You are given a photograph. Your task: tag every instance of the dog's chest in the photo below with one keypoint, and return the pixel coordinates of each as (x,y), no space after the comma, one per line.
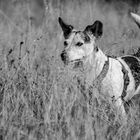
(113,83)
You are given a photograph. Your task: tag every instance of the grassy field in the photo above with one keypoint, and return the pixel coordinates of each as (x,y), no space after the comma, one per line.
(40,99)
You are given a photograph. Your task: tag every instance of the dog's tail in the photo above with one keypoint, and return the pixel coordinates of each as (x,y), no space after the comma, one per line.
(136,18)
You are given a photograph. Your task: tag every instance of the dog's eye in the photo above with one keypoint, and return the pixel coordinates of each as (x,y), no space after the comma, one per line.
(79,44)
(65,43)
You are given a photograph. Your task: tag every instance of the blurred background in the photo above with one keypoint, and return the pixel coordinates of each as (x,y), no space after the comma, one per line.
(119,29)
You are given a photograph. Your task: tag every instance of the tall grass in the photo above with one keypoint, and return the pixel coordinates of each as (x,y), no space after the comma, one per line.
(40,99)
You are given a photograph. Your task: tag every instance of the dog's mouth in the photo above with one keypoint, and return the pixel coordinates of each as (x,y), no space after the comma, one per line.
(78,63)
(74,64)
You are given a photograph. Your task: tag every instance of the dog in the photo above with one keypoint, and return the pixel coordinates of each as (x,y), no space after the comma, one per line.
(118,77)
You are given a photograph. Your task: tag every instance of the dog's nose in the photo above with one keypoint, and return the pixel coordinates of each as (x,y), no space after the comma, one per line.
(64,56)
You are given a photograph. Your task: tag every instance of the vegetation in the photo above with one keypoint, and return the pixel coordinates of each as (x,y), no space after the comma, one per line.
(40,99)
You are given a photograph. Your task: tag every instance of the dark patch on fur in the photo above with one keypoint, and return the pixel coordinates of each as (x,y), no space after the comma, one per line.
(137,54)
(96,29)
(134,65)
(126,81)
(67,29)
(96,49)
(86,38)
(65,43)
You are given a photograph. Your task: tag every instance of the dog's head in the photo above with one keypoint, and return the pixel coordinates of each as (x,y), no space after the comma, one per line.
(79,45)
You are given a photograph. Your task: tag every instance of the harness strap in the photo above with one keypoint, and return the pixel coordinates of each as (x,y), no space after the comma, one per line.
(102,75)
(97,82)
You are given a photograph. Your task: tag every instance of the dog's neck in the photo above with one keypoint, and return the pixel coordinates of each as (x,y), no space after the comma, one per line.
(94,65)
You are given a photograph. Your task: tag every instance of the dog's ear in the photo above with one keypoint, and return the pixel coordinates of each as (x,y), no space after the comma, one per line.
(67,29)
(95,29)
